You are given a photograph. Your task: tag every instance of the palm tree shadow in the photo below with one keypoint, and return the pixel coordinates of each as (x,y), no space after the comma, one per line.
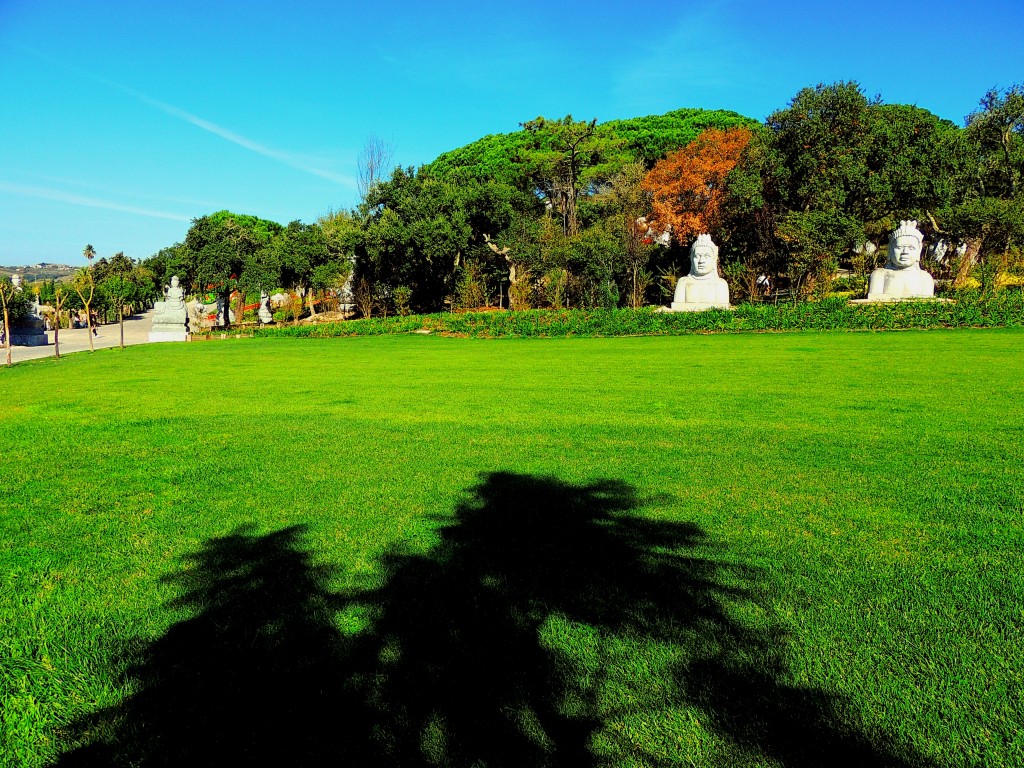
(248,678)
(501,645)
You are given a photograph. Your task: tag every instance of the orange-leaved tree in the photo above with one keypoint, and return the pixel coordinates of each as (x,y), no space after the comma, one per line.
(688,186)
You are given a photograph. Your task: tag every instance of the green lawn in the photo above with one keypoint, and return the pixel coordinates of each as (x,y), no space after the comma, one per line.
(785,550)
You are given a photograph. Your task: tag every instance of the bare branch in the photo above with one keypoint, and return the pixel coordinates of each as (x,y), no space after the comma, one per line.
(373,162)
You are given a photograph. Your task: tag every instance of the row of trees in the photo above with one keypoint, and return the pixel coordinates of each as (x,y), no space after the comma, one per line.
(106,289)
(836,169)
(571,212)
(567,212)
(227,254)
(543,216)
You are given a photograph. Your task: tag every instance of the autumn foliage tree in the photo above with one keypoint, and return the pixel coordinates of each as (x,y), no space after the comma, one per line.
(687,187)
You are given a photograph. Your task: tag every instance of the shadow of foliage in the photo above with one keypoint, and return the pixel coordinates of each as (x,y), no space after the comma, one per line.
(550,625)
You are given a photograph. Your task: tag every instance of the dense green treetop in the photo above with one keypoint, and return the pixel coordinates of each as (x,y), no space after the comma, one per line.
(646,139)
(419,229)
(217,247)
(650,138)
(997,128)
(912,164)
(987,205)
(833,168)
(306,257)
(260,230)
(492,157)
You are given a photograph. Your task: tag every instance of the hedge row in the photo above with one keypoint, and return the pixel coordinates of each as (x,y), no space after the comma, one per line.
(967,311)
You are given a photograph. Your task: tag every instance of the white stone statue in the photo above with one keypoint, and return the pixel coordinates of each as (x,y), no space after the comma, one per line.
(266,315)
(702,288)
(30,331)
(938,250)
(902,276)
(867,249)
(170,322)
(174,295)
(199,312)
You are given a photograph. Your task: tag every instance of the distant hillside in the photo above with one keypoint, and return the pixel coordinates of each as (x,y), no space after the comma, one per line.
(648,139)
(43,271)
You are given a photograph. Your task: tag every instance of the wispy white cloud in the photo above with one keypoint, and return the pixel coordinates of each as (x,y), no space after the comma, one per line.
(91,202)
(291,159)
(133,194)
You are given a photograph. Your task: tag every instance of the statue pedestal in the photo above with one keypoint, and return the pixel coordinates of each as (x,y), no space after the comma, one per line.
(893,299)
(170,323)
(175,335)
(29,337)
(685,306)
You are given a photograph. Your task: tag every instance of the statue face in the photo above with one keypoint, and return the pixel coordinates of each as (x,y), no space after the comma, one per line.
(174,282)
(703,262)
(905,252)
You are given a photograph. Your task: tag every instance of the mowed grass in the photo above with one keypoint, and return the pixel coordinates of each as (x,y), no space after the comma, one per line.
(785,550)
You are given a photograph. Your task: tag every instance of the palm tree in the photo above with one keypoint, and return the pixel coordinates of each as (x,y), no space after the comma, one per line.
(84,282)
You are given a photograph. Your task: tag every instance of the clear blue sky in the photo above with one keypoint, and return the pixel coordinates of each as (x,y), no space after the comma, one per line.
(121,122)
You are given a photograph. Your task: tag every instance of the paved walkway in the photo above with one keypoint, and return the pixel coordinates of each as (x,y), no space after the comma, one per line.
(136,331)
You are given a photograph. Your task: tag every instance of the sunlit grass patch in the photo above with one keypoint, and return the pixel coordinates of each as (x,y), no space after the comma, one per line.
(729,550)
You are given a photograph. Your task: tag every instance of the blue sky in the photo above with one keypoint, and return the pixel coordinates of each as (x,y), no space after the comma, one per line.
(122,122)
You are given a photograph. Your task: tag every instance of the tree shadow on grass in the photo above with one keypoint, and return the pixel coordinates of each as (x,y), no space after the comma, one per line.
(550,625)
(248,679)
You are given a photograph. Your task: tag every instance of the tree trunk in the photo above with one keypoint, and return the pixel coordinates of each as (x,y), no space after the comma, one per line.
(226,304)
(56,334)
(7,333)
(88,325)
(967,261)
(121,318)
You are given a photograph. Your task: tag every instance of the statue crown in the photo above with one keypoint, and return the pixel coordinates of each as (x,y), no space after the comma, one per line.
(704,241)
(907,229)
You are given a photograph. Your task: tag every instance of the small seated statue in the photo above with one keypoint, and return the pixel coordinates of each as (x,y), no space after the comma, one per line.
(172,310)
(265,313)
(170,320)
(902,276)
(702,288)
(175,296)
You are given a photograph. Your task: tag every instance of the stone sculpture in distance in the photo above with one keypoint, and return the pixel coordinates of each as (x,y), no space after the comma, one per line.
(902,276)
(170,323)
(703,288)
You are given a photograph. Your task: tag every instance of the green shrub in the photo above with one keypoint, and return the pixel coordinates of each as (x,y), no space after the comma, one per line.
(854,284)
(471,291)
(968,310)
(402,295)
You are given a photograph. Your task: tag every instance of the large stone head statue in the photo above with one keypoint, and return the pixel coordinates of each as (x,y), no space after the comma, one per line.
(703,257)
(905,246)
